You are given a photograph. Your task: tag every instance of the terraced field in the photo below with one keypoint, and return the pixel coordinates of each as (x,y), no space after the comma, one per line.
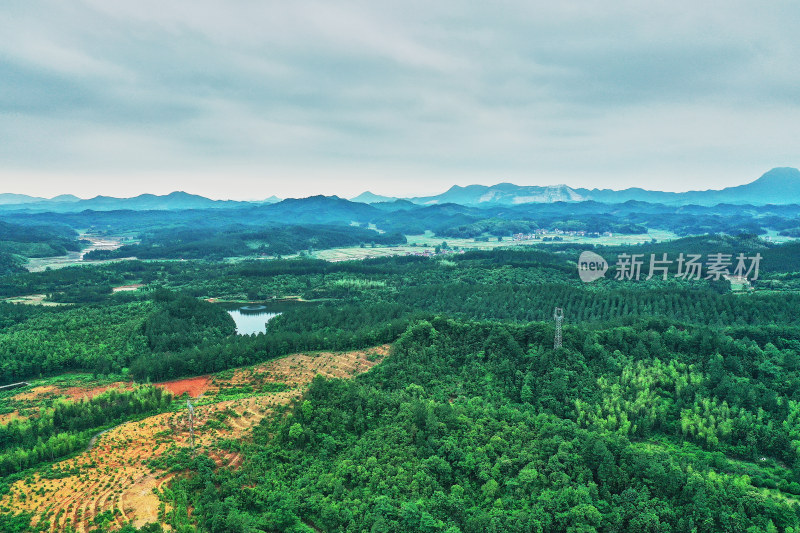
(113,482)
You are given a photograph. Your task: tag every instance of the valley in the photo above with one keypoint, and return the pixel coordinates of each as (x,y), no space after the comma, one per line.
(95,242)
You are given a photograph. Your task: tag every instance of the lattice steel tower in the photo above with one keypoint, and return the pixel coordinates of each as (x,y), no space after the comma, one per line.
(190,408)
(558,315)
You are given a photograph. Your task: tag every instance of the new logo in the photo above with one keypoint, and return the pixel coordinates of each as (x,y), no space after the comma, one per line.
(591,266)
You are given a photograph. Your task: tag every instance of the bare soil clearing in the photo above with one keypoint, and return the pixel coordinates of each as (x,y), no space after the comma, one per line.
(193,386)
(77,393)
(32,299)
(127,288)
(114,475)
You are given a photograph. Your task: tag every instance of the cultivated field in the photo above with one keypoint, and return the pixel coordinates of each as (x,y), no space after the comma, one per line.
(114,481)
(427,243)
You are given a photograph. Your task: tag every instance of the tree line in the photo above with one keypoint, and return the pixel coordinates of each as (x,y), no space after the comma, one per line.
(67,427)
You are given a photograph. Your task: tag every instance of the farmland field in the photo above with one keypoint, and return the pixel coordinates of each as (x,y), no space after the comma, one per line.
(428,242)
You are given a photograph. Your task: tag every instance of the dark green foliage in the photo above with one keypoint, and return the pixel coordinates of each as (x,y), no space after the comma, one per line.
(212,243)
(34,241)
(673,405)
(437,438)
(96,338)
(10,264)
(181,321)
(64,283)
(310,328)
(375,300)
(15,523)
(105,338)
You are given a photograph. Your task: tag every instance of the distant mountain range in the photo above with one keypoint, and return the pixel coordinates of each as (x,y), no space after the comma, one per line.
(68,203)
(779,186)
(17,199)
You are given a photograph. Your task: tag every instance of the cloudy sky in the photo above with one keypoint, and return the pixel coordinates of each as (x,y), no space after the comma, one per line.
(246,99)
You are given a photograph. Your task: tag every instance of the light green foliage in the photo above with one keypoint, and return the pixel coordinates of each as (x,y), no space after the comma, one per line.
(640,398)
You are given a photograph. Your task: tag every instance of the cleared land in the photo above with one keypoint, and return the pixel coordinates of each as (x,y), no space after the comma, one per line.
(426,243)
(32,299)
(114,483)
(44,392)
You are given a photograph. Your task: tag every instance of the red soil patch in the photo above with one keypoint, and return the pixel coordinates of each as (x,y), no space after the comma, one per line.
(77,393)
(194,386)
(36,393)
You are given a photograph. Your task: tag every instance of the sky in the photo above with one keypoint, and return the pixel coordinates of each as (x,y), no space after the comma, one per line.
(249,99)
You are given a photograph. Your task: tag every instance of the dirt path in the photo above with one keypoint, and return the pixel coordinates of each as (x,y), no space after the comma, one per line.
(93,440)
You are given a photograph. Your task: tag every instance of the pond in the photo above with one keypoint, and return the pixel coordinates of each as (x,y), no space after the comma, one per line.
(253,318)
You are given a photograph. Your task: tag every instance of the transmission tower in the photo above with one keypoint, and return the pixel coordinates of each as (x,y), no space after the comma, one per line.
(191,421)
(558,315)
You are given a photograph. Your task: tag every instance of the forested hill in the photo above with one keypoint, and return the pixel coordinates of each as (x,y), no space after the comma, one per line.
(479,427)
(10,264)
(235,241)
(20,241)
(41,240)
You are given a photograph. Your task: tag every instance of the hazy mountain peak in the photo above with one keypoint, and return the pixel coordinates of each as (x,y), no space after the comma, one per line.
(779,176)
(12,198)
(368,197)
(65,198)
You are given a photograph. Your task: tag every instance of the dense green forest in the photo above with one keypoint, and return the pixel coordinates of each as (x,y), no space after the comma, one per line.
(105,338)
(9,263)
(160,334)
(37,240)
(483,427)
(674,405)
(213,243)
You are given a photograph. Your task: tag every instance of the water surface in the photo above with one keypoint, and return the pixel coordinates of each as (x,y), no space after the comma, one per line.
(253,318)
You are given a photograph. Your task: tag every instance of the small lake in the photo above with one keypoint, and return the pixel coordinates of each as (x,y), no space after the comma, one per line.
(253,318)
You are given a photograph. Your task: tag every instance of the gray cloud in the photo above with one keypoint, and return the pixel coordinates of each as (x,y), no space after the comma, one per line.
(249,99)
